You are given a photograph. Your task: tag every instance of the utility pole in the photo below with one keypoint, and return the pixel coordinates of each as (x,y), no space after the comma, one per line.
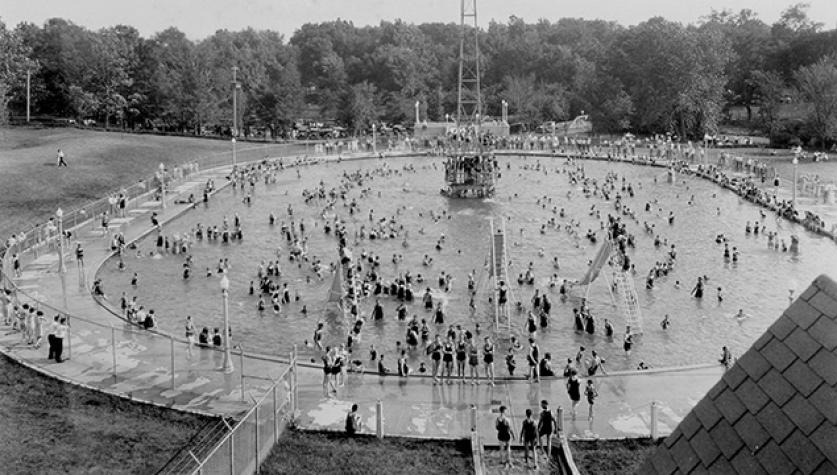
(235,112)
(235,104)
(28,81)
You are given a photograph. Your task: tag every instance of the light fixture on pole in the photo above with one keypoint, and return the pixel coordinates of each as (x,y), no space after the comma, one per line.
(28,95)
(374,144)
(59,213)
(161,174)
(234,130)
(417,112)
(795,170)
(225,289)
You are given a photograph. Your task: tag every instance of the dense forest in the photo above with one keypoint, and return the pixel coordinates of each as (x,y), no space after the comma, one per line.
(656,76)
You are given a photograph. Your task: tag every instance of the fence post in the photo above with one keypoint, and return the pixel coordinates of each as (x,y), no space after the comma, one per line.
(241,363)
(113,348)
(379,419)
(291,396)
(69,341)
(275,417)
(232,453)
(473,417)
(560,420)
(653,419)
(171,341)
(256,433)
(295,384)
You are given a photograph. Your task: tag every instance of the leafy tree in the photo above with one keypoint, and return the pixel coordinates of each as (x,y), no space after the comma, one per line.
(15,60)
(817,84)
(769,90)
(359,110)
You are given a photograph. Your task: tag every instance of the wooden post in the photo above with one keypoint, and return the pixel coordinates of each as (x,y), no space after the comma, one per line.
(379,419)
(256,435)
(171,342)
(275,417)
(295,383)
(241,363)
(653,419)
(473,417)
(231,441)
(113,348)
(560,420)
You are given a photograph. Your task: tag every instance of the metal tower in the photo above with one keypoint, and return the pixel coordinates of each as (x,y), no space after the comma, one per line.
(469,103)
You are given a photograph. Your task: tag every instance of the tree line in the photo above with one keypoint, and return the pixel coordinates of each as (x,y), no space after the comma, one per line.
(657,76)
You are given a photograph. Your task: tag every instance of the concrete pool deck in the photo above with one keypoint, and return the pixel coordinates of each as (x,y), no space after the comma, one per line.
(108,355)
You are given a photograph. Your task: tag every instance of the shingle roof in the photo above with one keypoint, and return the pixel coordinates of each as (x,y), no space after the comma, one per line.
(775,409)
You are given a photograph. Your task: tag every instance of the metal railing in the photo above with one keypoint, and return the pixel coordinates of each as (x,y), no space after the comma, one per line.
(249,441)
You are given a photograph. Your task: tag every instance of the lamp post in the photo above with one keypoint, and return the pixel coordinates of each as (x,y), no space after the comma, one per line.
(795,170)
(28,95)
(374,144)
(236,85)
(225,289)
(59,213)
(417,112)
(505,111)
(162,176)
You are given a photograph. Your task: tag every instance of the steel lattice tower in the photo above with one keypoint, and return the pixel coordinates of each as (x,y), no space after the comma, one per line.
(469,103)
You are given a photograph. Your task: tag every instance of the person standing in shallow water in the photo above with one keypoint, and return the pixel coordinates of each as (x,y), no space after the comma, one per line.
(698,290)
(628,342)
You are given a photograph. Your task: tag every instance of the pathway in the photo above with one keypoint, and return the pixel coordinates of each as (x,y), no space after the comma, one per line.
(416,407)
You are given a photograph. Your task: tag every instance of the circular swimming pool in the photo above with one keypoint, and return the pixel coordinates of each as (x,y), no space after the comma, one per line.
(530,194)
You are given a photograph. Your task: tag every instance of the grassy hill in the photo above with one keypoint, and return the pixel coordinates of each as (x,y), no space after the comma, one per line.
(52,427)
(33,187)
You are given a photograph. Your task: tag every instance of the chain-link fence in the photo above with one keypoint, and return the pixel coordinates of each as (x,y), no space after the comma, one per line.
(248,442)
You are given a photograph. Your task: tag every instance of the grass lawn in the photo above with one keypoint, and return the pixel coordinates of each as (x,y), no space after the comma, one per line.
(47,426)
(611,456)
(300,453)
(33,187)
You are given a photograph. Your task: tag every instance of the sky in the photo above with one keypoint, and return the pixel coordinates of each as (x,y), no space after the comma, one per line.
(200,18)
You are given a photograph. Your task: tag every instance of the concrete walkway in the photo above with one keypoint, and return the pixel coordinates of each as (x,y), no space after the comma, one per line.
(107,354)
(417,407)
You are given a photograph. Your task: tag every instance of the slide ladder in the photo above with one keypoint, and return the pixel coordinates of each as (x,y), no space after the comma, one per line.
(500,272)
(629,299)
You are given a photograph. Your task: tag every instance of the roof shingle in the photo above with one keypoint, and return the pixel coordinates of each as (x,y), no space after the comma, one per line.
(775,409)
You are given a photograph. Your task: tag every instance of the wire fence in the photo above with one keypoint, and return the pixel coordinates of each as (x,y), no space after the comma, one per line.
(249,441)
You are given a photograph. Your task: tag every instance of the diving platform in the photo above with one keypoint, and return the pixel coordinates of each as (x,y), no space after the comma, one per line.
(470,175)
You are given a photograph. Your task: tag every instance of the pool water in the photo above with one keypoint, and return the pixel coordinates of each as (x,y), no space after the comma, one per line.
(759,283)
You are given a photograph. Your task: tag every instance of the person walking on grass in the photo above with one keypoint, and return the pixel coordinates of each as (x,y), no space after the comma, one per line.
(529,437)
(504,436)
(60,158)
